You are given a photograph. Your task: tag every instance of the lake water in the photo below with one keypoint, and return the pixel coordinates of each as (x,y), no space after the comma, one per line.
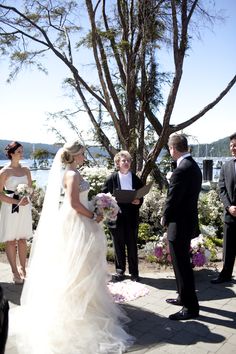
(41,176)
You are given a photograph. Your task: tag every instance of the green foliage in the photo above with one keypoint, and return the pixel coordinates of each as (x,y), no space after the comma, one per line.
(217,241)
(151,258)
(145,234)
(211,211)
(110,254)
(210,245)
(37,204)
(96,178)
(2,247)
(151,209)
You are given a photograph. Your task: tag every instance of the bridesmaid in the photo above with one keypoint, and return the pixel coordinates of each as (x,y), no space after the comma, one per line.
(15,212)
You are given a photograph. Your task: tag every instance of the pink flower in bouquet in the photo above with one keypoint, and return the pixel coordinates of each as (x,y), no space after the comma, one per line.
(106,204)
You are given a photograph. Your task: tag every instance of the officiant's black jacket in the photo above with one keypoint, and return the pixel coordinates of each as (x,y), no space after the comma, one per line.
(125,235)
(113,183)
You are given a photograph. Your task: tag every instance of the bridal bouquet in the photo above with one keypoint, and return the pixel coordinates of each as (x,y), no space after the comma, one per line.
(23,190)
(106,204)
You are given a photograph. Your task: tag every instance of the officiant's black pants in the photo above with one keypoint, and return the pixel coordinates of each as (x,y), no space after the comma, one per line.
(125,236)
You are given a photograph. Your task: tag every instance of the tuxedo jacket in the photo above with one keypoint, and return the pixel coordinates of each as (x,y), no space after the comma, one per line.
(113,183)
(180,213)
(227,188)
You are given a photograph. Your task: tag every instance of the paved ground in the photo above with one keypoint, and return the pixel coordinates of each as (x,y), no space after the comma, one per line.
(213,332)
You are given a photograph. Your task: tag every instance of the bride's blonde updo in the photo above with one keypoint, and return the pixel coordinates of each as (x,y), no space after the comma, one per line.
(69,150)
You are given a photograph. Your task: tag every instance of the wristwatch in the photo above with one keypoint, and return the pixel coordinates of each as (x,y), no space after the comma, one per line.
(94,216)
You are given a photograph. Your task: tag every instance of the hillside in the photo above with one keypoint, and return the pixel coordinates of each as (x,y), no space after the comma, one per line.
(219,148)
(95,151)
(28,148)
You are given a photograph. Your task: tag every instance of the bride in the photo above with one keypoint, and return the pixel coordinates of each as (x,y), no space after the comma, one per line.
(66,307)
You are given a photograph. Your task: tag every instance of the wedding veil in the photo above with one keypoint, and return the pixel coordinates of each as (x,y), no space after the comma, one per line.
(45,236)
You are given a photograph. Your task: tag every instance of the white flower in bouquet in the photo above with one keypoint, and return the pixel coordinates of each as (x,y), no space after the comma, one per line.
(106,204)
(23,190)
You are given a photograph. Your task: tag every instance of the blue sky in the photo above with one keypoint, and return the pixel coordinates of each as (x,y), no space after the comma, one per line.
(211,64)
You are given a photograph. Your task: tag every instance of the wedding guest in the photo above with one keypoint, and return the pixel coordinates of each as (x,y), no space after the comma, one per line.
(74,312)
(180,217)
(227,189)
(125,234)
(15,213)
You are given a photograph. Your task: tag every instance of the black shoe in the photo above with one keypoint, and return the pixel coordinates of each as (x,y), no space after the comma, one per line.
(220,280)
(184,314)
(118,277)
(134,277)
(174,302)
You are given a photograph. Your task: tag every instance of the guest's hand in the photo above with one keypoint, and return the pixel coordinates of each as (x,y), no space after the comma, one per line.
(136,201)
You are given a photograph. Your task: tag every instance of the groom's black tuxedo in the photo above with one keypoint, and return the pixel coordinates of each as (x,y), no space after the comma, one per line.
(126,232)
(181,207)
(180,216)
(227,187)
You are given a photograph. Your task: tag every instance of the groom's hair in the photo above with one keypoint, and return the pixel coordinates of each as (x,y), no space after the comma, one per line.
(233,136)
(178,141)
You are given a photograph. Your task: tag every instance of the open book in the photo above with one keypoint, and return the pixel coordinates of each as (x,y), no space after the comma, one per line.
(127,196)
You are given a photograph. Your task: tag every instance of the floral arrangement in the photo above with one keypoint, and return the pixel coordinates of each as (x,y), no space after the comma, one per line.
(161,250)
(106,204)
(200,254)
(96,177)
(200,251)
(23,190)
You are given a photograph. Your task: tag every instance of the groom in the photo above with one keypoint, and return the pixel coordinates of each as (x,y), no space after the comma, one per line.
(180,217)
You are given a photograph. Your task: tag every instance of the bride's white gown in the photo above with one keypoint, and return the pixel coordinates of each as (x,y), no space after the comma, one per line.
(66,307)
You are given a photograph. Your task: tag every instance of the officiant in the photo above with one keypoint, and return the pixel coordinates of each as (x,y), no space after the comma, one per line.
(125,234)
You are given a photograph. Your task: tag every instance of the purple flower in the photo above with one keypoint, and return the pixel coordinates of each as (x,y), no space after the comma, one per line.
(106,204)
(198,259)
(158,252)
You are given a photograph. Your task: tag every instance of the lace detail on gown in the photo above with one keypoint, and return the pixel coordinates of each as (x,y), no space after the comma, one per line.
(84,186)
(66,305)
